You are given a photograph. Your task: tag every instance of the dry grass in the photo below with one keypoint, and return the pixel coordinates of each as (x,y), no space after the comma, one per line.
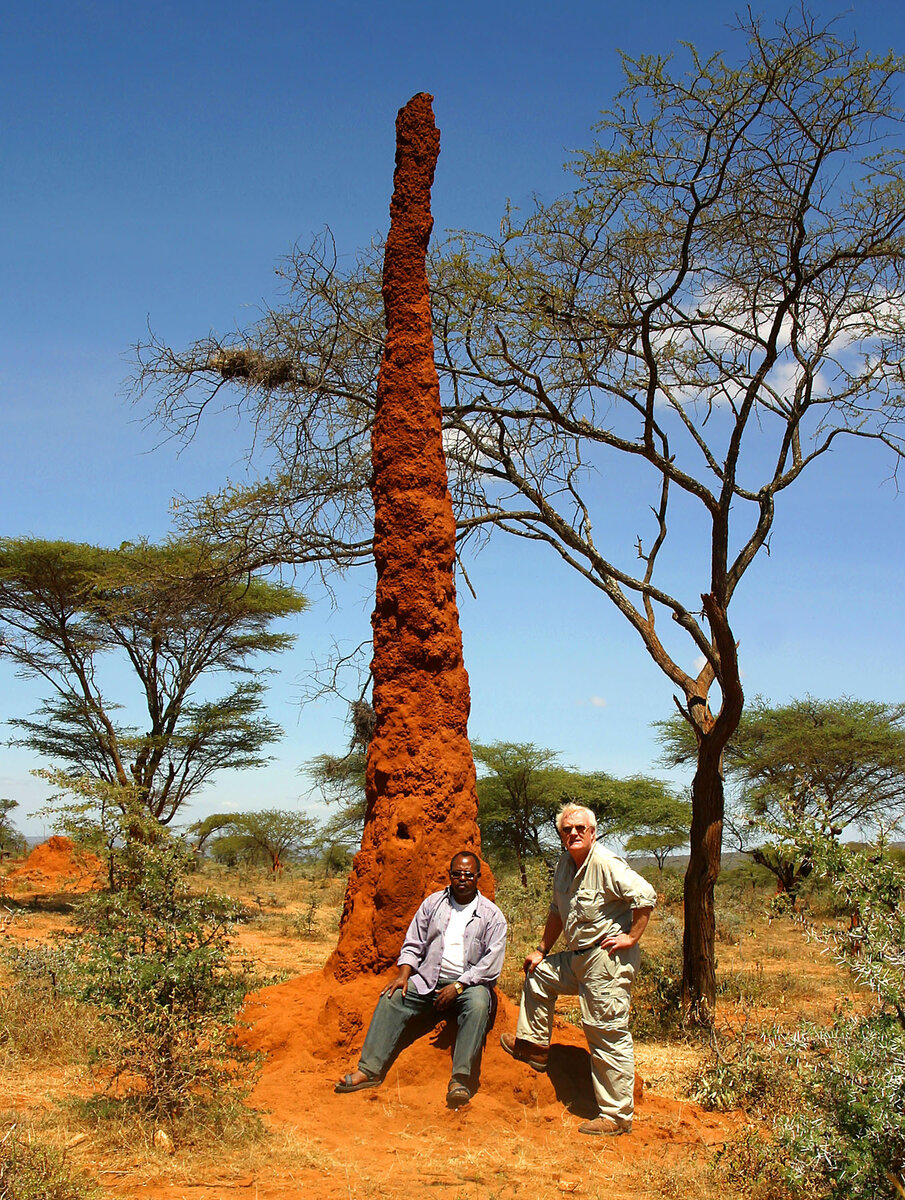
(769,973)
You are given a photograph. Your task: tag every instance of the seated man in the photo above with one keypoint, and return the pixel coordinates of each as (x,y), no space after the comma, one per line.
(451,958)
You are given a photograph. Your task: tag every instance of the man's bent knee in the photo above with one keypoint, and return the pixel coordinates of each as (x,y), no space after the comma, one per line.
(475,1001)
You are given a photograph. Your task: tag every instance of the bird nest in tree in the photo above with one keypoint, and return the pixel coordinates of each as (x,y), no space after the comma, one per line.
(243,362)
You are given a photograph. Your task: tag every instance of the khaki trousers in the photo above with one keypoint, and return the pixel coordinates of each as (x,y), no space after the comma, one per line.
(603,985)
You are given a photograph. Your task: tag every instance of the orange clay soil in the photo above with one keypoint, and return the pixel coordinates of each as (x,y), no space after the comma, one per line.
(57,866)
(420,784)
(518,1134)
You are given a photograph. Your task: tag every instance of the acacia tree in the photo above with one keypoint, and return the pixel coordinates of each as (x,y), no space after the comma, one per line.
(522,787)
(11,840)
(710,309)
(274,832)
(342,782)
(661,828)
(175,613)
(824,763)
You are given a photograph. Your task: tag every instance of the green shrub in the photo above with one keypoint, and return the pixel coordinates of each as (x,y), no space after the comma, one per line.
(846,1139)
(848,1142)
(671,888)
(525,908)
(657,993)
(731,926)
(759,1077)
(755,1166)
(30,1171)
(302,924)
(154,960)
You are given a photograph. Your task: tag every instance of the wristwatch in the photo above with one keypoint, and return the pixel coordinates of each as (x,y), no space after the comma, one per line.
(459,986)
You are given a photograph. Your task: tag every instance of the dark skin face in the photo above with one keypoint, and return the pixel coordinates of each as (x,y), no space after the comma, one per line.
(464,890)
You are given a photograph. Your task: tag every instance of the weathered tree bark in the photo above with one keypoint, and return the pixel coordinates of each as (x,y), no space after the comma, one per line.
(706,840)
(420,782)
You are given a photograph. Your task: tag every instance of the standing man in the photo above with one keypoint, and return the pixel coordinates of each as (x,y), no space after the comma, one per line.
(602,906)
(451,958)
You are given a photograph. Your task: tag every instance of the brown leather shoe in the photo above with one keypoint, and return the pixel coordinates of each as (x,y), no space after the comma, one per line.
(457,1094)
(605,1127)
(527,1052)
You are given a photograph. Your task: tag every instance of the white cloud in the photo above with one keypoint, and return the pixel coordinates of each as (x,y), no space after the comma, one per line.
(598,701)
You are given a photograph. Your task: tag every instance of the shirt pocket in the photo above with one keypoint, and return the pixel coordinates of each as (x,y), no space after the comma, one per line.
(587,907)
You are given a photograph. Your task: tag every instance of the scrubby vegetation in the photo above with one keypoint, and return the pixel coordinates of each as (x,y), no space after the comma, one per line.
(138,970)
(30,1170)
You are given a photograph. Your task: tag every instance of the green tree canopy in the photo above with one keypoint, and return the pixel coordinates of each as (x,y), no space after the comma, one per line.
(276,833)
(833,763)
(662,829)
(521,787)
(11,840)
(174,613)
(341,781)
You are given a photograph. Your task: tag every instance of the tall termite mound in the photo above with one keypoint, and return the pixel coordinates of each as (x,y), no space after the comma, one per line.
(421,796)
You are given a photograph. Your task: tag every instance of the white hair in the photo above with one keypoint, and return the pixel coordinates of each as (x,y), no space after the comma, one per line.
(591,820)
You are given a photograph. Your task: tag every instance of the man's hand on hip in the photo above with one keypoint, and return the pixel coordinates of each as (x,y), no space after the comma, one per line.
(618,941)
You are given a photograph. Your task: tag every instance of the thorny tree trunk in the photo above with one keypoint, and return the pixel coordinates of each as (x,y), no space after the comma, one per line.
(699,938)
(698,966)
(522,869)
(789,875)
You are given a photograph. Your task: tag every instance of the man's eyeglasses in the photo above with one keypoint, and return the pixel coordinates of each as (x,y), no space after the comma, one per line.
(461,875)
(579,829)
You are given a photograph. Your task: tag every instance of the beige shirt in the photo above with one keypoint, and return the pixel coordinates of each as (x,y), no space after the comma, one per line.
(596,899)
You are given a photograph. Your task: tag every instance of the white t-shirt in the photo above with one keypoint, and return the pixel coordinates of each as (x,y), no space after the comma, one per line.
(452,963)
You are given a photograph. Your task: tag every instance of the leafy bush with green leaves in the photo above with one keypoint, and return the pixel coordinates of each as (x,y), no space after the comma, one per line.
(848,1142)
(155,961)
(657,992)
(758,1076)
(670,886)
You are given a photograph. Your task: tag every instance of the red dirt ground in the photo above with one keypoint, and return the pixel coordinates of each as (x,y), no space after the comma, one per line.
(518,1134)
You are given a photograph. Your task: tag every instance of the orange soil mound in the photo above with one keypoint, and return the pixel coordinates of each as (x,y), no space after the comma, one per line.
(58,866)
(311,1029)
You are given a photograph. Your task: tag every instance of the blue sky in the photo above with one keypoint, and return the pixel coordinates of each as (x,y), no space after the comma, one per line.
(160,159)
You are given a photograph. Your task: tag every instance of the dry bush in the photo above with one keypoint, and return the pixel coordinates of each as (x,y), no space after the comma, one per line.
(31,1170)
(39,1021)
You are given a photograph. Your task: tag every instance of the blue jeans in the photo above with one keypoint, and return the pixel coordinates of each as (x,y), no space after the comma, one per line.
(394,1014)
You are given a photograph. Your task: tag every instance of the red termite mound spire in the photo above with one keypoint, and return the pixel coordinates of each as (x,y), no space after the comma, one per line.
(421,796)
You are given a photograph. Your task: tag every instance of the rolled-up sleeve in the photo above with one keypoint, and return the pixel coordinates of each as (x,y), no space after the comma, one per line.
(633,888)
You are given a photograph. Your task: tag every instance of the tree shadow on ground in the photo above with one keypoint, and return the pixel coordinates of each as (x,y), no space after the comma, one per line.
(53,902)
